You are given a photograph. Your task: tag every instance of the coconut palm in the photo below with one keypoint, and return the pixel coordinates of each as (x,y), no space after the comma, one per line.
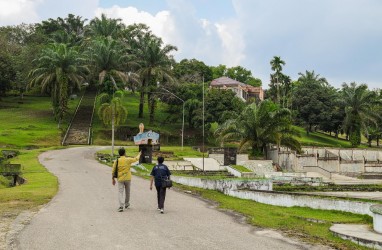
(259,125)
(58,68)
(359,101)
(111,111)
(154,62)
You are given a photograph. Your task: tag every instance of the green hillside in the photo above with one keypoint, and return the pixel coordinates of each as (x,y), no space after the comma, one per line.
(31,123)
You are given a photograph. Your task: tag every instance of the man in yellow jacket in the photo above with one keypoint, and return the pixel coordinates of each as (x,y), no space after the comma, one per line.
(123,164)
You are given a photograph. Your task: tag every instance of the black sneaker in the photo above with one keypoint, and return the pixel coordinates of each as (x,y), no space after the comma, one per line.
(120,209)
(127,206)
(162,211)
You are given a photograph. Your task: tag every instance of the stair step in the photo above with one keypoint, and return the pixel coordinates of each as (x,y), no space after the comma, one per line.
(79,131)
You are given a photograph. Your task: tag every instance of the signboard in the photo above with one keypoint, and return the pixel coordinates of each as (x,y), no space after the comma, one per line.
(147,138)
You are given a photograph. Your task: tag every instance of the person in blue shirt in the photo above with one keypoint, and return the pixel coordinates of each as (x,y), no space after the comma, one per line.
(159,172)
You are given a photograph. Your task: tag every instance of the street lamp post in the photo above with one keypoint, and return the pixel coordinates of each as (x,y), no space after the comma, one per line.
(183,112)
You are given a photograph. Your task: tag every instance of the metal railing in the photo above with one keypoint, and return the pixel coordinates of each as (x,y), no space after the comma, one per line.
(71,121)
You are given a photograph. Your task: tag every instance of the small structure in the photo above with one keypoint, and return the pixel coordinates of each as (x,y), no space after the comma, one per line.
(146,141)
(13,170)
(244,91)
(377,217)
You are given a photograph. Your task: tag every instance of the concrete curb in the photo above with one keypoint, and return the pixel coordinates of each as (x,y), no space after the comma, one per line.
(359,234)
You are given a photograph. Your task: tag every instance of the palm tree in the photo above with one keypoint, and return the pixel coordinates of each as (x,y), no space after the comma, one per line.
(259,125)
(276,66)
(312,78)
(104,27)
(110,59)
(112,112)
(358,101)
(154,66)
(59,67)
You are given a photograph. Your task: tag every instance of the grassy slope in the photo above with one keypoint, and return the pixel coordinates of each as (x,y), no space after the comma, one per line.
(131,102)
(163,126)
(30,123)
(321,140)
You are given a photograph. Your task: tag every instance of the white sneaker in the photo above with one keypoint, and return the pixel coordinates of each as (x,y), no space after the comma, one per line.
(161,211)
(158,209)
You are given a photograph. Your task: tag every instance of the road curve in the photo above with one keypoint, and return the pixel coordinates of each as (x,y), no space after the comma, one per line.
(83,215)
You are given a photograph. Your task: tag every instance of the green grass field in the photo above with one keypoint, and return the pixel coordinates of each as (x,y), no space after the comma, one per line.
(41,186)
(30,123)
(320,140)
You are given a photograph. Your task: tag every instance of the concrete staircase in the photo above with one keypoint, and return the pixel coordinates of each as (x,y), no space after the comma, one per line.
(79,131)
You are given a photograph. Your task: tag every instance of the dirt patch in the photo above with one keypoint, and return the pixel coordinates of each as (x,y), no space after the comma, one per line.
(12,213)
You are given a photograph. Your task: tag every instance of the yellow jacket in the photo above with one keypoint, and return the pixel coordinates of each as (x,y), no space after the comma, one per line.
(124,165)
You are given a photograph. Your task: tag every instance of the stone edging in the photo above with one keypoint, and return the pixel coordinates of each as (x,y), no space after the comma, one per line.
(260,191)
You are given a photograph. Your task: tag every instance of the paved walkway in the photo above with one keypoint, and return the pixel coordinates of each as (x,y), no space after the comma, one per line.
(83,215)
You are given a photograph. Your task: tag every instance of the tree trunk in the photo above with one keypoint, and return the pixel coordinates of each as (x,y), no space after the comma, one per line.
(141,103)
(112,131)
(152,110)
(142,99)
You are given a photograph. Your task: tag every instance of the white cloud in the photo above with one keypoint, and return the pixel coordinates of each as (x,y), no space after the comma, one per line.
(18,11)
(160,23)
(233,44)
(213,43)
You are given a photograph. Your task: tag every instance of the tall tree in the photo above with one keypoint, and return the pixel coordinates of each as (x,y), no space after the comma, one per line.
(258,125)
(154,62)
(358,101)
(192,71)
(59,67)
(109,60)
(69,30)
(312,100)
(105,27)
(112,112)
(276,78)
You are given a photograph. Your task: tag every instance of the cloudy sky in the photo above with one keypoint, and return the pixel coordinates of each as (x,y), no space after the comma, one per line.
(338,39)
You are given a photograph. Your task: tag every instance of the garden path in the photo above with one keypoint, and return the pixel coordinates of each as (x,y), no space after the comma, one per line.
(83,215)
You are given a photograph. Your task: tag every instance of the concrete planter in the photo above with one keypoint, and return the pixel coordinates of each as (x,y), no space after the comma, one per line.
(377,217)
(240,174)
(224,185)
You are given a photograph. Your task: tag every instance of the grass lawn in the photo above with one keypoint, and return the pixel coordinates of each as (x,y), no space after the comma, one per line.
(132,151)
(40,187)
(320,140)
(241,169)
(30,123)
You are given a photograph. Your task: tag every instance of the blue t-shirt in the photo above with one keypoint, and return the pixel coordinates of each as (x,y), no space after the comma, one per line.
(159,172)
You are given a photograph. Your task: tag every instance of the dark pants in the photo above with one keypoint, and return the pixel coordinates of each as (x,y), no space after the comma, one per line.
(161,195)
